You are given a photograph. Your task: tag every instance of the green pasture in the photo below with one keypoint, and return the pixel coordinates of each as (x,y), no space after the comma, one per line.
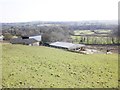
(45,67)
(88,32)
(78,32)
(103,31)
(94,40)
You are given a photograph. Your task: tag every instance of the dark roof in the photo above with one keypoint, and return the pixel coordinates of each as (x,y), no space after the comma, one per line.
(22,41)
(30,41)
(16,41)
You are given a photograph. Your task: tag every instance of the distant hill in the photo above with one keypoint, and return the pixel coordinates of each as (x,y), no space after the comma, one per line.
(65,28)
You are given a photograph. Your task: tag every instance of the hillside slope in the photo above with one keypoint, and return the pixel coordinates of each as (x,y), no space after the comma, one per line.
(44,67)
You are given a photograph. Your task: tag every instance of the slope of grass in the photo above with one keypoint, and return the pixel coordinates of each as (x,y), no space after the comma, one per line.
(44,67)
(0,65)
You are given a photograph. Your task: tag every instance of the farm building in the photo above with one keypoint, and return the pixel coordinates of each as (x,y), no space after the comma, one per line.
(27,40)
(1,37)
(36,37)
(30,42)
(68,46)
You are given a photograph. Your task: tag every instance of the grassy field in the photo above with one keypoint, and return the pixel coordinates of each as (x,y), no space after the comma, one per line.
(78,32)
(100,38)
(94,40)
(44,67)
(0,65)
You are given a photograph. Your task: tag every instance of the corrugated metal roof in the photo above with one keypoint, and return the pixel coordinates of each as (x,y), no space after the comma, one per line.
(30,41)
(66,45)
(16,41)
(23,41)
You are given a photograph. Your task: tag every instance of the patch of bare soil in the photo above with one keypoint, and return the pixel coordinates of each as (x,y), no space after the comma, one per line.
(104,48)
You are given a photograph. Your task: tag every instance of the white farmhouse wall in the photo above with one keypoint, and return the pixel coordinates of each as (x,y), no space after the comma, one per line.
(38,38)
(35,44)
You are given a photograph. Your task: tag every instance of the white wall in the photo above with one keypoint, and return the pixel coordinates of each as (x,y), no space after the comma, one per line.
(38,38)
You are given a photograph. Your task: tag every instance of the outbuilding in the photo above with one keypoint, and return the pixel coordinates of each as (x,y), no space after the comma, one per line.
(30,42)
(1,37)
(68,46)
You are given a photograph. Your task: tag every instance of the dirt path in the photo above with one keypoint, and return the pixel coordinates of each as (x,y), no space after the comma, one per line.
(104,48)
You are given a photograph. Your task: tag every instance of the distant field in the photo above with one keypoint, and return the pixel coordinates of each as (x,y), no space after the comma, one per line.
(44,67)
(94,40)
(97,37)
(78,32)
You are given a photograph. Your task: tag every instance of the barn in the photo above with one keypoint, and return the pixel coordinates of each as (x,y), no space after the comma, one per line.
(68,46)
(30,42)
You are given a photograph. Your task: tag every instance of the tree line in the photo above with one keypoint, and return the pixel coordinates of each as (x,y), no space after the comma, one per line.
(53,31)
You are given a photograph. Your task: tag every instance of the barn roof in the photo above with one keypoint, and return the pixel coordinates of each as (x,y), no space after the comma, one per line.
(16,41)
(67,45)
(23,41)
(30,41)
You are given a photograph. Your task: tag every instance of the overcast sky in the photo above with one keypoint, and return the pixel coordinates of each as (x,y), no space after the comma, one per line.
(57,10)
